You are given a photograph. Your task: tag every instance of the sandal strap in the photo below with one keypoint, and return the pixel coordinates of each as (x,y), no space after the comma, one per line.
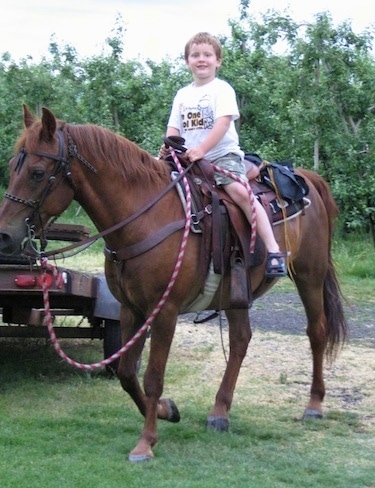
(277,269)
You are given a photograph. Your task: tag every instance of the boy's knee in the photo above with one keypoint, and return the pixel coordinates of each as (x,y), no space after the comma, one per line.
(251,169)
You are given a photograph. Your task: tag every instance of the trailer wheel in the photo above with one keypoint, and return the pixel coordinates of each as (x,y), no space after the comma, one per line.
(111,343)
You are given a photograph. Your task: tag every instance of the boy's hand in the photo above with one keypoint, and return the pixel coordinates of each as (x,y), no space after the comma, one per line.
(194,154)
(163,151)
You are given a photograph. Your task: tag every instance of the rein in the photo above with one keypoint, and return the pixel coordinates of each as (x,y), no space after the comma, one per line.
(124,222)
(62,165)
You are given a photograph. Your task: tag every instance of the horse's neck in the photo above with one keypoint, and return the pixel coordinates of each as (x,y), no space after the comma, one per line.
(132,209)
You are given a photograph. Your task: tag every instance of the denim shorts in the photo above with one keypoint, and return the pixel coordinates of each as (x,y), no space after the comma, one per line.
(233,163)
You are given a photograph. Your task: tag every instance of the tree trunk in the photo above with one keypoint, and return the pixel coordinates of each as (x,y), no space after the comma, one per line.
(316,155)
(372,228)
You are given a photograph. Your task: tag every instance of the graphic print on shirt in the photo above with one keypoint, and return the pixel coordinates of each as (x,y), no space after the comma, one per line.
(199,117)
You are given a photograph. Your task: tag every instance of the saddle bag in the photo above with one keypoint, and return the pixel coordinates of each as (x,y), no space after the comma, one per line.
(281,178)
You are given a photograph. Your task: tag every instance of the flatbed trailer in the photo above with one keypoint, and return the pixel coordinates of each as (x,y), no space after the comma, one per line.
(82,295)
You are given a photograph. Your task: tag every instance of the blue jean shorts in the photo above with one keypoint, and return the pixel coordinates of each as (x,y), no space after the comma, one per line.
(233,163)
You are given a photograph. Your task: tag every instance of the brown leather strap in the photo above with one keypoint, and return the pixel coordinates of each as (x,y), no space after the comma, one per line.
(217,250)
(147,243)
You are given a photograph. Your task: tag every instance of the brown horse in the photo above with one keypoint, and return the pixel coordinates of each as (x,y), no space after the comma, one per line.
(114,181)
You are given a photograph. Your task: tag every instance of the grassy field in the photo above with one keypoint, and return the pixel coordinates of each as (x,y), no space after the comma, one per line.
(60,427)
(63,428)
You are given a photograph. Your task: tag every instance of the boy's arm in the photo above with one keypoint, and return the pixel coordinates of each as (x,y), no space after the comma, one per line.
(219,130)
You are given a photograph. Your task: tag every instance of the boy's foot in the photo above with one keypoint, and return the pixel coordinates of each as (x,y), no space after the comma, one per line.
(276,266)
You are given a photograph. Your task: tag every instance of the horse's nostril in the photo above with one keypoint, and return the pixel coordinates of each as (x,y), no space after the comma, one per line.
(4,237)
(7,244)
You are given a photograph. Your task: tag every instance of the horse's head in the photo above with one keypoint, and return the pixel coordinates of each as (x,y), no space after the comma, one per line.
(40,186)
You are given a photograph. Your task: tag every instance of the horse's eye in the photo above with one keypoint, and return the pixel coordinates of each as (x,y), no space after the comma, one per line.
(38,175)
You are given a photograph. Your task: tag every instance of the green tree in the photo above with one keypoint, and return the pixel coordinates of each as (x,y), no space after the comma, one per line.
(312,102)
(306,93)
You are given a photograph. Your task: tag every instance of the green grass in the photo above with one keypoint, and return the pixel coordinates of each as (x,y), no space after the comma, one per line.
(356,258)
(355,266)
(62,428)
(355,263)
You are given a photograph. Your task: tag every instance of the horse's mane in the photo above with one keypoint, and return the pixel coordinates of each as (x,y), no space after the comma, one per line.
(103,147)
(117,151)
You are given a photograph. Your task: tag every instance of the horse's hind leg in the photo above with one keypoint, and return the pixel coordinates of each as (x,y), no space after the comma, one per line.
(239,338)
(312,298)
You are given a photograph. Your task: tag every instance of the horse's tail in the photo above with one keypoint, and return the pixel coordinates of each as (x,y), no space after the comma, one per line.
(337,326)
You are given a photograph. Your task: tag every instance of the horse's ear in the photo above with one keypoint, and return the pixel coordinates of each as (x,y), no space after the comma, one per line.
(49,123)
(28,117)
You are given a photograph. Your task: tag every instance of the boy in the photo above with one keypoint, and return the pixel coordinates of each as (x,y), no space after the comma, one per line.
(203,113)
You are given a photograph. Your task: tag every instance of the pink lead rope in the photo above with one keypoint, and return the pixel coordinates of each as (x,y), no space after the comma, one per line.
(58,279)
(252,203)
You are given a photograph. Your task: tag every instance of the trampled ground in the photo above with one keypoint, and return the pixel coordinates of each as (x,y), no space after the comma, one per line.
(279,355)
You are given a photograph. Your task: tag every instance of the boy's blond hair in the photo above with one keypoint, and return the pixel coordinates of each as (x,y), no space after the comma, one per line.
(204,38)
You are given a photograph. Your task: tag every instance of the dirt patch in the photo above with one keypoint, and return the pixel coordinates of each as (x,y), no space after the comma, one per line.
(279,355)
(284,313)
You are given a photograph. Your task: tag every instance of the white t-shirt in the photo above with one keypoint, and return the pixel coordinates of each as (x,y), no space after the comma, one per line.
(195,109)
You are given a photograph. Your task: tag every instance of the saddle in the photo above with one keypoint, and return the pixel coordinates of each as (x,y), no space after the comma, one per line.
(225,230)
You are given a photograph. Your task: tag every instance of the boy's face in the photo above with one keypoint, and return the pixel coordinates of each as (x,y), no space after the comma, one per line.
(203,62)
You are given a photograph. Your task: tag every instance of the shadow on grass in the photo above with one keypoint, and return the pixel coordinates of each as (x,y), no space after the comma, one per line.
(22,359)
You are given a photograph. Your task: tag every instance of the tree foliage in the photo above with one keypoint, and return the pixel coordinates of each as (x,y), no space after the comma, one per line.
(306,93)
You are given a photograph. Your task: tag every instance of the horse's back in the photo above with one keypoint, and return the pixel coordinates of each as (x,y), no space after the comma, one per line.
(322,187)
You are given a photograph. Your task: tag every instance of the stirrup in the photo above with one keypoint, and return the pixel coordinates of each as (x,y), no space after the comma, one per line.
(277,269)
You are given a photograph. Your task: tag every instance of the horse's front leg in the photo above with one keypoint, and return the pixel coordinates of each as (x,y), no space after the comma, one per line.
(128,364)
(152,406)
(239,338)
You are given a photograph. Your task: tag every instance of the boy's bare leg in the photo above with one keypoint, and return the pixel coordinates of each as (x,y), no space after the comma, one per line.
(276,261)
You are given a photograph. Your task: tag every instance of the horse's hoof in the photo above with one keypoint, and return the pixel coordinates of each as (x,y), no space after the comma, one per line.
(173,413)
(139,458)
(220,424)
(312,414)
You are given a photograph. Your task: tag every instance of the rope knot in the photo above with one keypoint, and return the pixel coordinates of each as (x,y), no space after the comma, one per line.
(58,277)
